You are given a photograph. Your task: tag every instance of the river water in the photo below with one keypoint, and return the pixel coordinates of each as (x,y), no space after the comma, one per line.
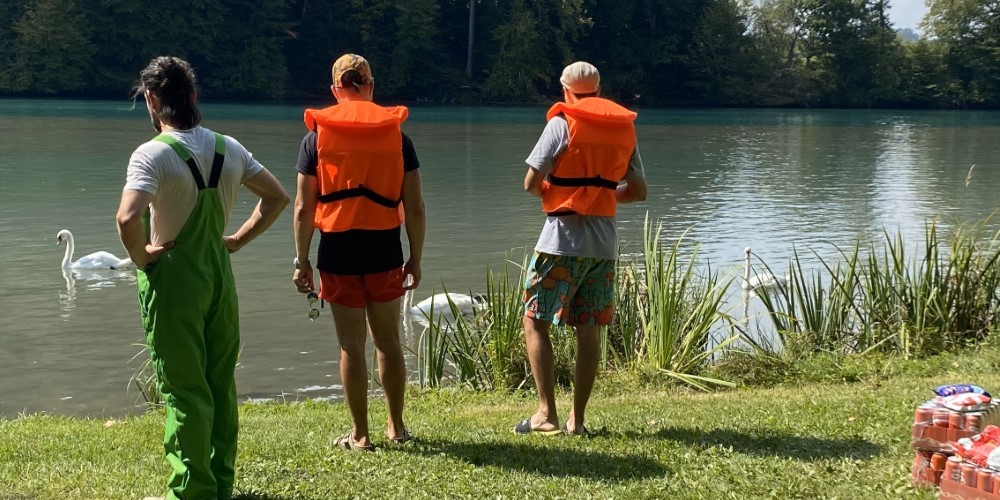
(773,180)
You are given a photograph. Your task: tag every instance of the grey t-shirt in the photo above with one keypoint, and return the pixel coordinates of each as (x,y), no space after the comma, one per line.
(575,235)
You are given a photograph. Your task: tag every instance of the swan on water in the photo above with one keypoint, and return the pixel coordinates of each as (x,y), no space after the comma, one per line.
(96,260)
(762,280)
(467,305)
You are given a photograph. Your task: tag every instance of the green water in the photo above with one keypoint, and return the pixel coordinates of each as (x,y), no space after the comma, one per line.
(730,178)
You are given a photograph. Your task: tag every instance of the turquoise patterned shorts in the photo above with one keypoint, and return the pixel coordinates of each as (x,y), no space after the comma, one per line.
(570,290)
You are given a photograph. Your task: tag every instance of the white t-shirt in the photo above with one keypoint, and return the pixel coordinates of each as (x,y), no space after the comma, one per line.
(157,169)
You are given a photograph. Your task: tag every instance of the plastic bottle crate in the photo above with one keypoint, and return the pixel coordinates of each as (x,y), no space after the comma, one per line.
(934,428)
(928,468)
(970,482)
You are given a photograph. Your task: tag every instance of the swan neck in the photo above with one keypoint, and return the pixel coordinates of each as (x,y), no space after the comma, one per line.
(68,256)
(746,267)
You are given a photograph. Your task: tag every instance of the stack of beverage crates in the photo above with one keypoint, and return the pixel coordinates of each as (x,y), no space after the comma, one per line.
(935,428)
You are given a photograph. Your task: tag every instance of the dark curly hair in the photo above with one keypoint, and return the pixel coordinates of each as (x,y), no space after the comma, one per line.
(172,81)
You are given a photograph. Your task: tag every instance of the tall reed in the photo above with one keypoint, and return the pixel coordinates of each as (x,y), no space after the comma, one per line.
(482,352)
(145,380)
(667,316)
(678,310)
(943,297)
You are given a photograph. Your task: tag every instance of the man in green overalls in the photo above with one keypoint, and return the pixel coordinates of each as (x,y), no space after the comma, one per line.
(188,177)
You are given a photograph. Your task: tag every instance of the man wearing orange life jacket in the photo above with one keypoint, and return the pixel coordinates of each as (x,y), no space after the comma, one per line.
(586,149)
(358,184)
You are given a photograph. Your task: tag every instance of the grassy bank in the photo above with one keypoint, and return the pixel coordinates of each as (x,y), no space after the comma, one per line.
(822,439)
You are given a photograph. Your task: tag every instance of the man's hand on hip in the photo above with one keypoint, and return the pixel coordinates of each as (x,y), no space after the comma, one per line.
(150,253)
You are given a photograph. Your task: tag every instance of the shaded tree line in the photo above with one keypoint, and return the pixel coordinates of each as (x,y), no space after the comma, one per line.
(651,52)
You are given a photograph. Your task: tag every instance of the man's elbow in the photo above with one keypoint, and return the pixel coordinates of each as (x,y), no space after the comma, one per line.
(126,219)
(638,191)
(280,200)
(303,211)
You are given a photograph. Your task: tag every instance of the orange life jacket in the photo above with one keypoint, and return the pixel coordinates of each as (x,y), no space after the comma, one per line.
(359,148)
(586,174)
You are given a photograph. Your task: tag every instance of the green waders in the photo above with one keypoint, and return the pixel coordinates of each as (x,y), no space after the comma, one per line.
(191,318)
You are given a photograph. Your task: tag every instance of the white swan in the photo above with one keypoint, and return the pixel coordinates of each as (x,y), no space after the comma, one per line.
(763,280)
(439,306)
(96,260)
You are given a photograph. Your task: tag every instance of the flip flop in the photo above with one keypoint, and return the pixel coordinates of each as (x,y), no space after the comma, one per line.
(581,432)
(403,439)
(524,428)
(346,442)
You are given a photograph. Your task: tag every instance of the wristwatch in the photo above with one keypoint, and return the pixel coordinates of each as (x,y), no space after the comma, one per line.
(301,264)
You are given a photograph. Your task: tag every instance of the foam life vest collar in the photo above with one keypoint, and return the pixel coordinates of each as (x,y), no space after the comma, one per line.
(586,174)
(356,114)
(360,165)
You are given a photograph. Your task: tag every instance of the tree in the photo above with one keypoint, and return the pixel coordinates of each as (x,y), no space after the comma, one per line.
(969,32)
(245,55)
(10,12)
(857,50)
(53,48)
(721,55)
(785,73)
(927,80)
(415,70)
(322,30)
(516,72)
(531,47)
(612,42)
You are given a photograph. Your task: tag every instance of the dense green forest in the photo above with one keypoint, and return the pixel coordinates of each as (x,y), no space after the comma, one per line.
(650,52)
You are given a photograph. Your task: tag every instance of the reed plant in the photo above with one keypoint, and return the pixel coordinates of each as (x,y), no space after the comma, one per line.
(667,316)
(943,297)
(814,310)
(678,310)
(431,355)
(145,380)
(622,342)
(485,351)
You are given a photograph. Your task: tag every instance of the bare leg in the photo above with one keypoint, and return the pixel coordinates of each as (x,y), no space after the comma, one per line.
(539,346)
(352,334)
(588,357)
(384,320)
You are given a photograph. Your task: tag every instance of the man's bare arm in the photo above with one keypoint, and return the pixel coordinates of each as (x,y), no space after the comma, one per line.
(133,204)
(533,182)
(416,224)
(307,190)
(273,199)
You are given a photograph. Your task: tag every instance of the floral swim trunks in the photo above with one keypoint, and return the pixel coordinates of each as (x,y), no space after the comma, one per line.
(570,290)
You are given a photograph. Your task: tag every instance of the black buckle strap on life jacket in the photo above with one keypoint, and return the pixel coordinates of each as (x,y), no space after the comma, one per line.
(361,190)
(561,213)
(595,181)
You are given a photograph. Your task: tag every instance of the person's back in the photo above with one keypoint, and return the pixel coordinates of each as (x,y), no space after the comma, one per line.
(583,165)
(158,169)
(187,177)
(358,184)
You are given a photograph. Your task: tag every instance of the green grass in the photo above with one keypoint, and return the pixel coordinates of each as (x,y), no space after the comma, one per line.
(822,440)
